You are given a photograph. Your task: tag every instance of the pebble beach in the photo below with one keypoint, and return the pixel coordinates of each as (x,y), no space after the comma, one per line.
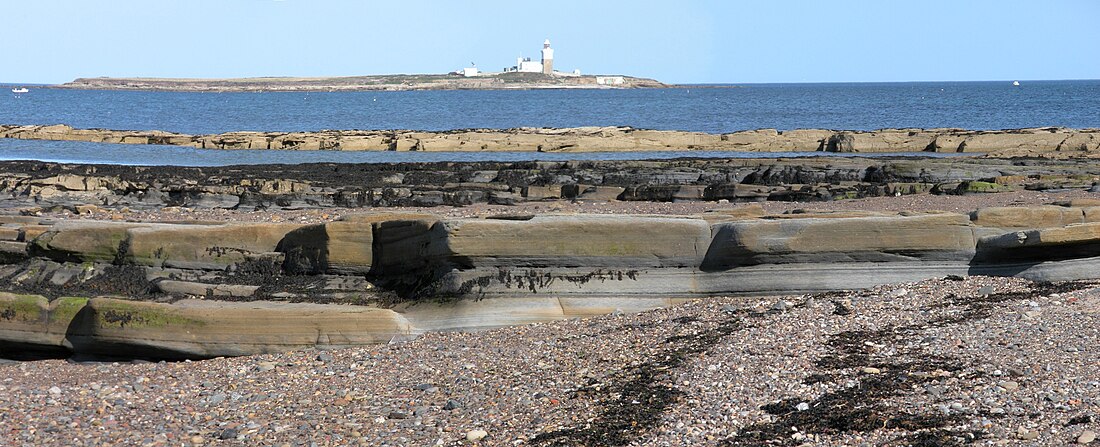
(953,361)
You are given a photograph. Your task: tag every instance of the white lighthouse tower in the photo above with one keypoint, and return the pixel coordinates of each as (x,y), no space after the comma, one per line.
(547,58)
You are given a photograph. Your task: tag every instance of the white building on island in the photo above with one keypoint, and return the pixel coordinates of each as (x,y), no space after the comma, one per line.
(545,66)
(526,65)
(610,80)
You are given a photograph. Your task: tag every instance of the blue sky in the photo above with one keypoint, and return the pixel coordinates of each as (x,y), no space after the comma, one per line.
(54,41)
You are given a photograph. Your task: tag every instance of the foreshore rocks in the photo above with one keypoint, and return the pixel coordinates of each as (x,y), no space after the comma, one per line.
(1049,142)
(203,329)
(201,246)
(33,325)
(919,237)
(161,290)
(78,187)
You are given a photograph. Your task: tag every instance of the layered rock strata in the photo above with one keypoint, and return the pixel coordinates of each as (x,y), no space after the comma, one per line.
(328,185)
(1052,142)
(204,290)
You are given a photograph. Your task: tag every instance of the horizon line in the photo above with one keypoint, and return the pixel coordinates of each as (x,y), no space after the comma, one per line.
(674,84)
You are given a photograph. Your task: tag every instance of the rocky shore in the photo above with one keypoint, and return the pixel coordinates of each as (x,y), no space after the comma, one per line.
(398,82)
(1051,142)
(193,289)
(321,186)
(809,301)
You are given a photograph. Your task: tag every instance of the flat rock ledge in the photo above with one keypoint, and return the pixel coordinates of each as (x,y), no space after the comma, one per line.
(28,184)
(156,290)
(1051,142)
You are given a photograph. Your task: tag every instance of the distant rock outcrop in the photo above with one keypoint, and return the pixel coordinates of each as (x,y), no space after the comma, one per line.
(1049,142)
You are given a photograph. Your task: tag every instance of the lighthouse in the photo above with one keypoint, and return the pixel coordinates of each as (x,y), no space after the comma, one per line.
(547,58)
(546,66)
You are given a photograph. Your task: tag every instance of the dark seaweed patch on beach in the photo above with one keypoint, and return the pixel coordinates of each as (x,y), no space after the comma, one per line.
(864,407)
(634,399)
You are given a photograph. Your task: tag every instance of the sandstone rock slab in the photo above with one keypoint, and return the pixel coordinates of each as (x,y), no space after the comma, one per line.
(32,324)
(929,237)
(82,242)
(203,329)
(1027,217)
(572,241)
(1043,244)
(212,247)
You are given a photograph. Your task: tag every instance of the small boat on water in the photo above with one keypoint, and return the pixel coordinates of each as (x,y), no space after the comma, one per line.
(1016,83)
(19,90)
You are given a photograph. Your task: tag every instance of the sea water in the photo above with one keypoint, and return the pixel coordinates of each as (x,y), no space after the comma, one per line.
(715,109)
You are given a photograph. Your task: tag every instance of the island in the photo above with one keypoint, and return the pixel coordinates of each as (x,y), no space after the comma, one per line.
(399,82)
(525,75)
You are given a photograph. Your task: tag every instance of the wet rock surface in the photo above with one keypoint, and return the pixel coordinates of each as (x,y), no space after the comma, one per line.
(79,188)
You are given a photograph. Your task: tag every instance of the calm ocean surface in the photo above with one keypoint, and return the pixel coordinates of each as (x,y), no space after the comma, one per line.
(857,106)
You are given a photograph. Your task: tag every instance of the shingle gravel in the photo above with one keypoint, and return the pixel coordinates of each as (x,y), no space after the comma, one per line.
(939,362)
